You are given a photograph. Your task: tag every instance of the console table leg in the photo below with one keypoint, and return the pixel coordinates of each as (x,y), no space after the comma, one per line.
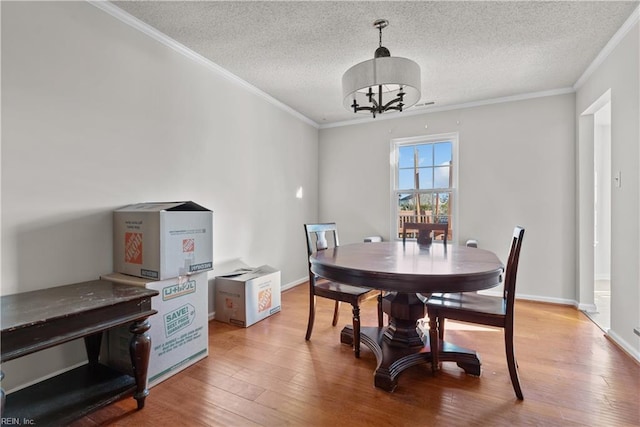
(140,348)
(1,394)
(92,345)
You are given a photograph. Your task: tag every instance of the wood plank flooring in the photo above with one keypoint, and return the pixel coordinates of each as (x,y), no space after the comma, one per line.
(268,375)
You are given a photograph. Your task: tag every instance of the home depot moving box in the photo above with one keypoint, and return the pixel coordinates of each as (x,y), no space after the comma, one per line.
(247,295)
(179,331)
(162,240)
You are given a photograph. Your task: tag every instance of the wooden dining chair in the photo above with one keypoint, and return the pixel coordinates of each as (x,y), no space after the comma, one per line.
(481,309)
(424,230)
(319,287)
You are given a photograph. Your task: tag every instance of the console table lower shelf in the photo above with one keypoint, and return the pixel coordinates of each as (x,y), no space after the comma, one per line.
(69,396)
(34,321)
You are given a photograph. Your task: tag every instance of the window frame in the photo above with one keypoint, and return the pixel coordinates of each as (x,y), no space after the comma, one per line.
(395,143)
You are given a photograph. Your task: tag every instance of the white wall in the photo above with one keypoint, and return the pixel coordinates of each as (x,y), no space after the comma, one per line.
(97,115)
(620,72)
(517,167)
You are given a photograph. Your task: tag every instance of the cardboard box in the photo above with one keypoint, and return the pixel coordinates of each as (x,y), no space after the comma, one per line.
(179,331)
(247,295)
(162,240)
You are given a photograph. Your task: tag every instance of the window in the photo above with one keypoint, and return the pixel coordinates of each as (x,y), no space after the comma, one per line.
(423,181)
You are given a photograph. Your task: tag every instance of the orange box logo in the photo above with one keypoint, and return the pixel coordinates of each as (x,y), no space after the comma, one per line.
(188,245)
(264,300)
(133,248)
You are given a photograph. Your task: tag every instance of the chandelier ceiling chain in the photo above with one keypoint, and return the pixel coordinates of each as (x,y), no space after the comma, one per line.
(381,84)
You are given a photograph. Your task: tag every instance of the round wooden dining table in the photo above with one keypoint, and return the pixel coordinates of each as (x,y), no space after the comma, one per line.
(408,272)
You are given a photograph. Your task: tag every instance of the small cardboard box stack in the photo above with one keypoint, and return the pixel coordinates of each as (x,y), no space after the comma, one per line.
(247,295)
(167,247)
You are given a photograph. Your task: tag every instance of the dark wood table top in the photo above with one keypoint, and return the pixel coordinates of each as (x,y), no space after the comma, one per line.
(392,266)
(36,320)
(28,309)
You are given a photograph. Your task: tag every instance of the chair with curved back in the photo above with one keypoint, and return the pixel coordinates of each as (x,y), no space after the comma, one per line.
(481,309)
(320,287)
(424,230)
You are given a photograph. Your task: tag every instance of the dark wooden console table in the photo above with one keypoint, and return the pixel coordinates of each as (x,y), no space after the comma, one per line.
(34,321)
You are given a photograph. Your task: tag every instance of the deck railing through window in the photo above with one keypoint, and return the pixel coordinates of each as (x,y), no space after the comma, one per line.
(424,217)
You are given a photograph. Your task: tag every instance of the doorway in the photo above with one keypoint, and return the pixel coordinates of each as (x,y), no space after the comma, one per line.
(594,211)
(602,216)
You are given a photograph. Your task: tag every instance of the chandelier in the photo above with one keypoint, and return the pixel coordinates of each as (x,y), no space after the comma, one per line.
(381,84)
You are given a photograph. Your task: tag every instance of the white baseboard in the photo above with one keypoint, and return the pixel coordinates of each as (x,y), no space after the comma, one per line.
(295,283)
(624,346)
(561,301)
(589,308)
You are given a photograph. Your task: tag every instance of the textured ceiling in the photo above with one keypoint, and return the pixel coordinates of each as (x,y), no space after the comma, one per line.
(297,51)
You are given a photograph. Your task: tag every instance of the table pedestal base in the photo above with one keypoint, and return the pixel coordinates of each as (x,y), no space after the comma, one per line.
(402,345)
(392,360)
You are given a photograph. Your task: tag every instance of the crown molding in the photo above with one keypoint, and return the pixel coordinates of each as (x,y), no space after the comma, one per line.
(609,47)
(137,24)
(431,109)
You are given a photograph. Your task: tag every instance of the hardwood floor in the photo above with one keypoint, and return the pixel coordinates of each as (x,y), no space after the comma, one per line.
(267,375)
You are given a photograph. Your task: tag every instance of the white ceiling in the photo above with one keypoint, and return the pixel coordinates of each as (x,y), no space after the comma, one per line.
(468,51)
